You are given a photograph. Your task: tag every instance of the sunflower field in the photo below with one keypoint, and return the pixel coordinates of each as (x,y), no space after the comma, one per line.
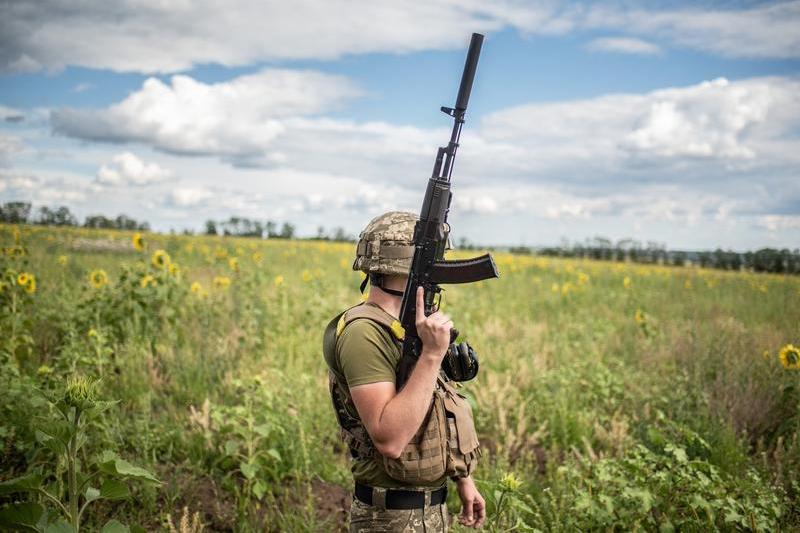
(176,383)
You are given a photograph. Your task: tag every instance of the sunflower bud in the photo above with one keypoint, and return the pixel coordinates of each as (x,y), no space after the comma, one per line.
(80,392)
(510,482)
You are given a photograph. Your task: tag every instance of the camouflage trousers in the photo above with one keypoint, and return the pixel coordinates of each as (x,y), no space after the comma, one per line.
(368,518)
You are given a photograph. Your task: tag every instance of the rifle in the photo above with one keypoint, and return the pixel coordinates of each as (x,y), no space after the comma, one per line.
(429,269)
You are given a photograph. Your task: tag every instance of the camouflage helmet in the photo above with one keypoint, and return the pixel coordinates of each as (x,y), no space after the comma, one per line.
(385,246)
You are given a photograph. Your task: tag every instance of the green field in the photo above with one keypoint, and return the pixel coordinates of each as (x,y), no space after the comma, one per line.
(611,396)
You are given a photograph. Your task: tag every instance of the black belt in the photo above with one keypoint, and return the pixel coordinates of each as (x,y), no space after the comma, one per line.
(402,499)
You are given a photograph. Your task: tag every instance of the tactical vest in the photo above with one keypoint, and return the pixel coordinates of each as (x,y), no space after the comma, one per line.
(446,442)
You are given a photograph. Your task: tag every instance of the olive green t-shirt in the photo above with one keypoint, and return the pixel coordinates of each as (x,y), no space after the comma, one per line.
(367,353)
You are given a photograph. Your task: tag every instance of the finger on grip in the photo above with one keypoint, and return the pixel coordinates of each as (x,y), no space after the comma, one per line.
(420,304)
(453,335)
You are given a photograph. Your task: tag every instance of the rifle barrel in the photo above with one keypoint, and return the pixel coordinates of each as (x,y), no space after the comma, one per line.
(468,76)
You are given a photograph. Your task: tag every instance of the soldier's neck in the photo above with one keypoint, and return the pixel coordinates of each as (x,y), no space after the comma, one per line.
(384,300)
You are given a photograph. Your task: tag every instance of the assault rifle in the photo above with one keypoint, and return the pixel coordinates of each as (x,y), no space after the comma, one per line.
(429,269)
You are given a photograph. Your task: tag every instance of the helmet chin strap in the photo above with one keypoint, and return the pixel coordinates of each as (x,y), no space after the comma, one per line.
(377,281)
(393,292)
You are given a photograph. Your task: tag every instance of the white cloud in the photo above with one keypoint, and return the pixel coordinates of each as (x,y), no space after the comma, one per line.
(771,30)
(779,222)
(707,120)
(625,45)
(9,147)
(710,157)
(8,114)
(235,118)
(82,87)
(190,197)
(24,186)
(720,122)
(157,36)
(716,135)
(126,169)
(481,204)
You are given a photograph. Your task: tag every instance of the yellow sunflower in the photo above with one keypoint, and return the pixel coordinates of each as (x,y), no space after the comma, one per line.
(98,278)
(147,280)
(790,357)
(160,259)
(626,282)
(138,242)
(639,316)
(62,260)
(23,278)
(278,280)
(233,262)
(222,282)
(174,269)
(30,287)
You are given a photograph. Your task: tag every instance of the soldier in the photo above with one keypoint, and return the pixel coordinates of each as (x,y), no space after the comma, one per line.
(405,444)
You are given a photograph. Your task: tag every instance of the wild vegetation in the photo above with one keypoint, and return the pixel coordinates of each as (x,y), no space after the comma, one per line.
(176,383)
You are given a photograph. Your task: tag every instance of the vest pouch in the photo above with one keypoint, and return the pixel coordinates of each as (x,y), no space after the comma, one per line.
(424,459)
(462,439)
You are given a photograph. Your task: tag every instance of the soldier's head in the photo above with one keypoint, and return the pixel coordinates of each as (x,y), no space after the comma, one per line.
(385,248)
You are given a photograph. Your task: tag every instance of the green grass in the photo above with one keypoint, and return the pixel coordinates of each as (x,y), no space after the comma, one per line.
(590,417)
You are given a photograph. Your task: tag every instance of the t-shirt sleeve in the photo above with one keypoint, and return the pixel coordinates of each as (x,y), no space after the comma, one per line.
(365,354)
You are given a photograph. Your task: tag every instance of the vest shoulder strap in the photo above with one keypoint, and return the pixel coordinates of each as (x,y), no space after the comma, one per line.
(374,313)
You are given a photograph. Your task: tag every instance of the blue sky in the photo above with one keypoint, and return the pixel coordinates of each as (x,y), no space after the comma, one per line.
(672,122)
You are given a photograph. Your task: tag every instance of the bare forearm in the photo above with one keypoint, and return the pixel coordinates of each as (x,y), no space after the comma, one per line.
(404,413)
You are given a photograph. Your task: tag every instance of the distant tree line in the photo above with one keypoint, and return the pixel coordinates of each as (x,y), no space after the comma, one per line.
(600,248)
(22,213)
(244,227)
(336,234)
(763,260)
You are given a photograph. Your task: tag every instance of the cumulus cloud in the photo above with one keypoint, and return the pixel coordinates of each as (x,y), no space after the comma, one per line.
(707,120)
(126,169)
(624,45)
(156,36)
(711,123)
(717,152)
(704,136)
(235,118)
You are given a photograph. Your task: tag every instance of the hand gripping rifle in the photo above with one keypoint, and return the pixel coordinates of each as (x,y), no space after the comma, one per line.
(429,269)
